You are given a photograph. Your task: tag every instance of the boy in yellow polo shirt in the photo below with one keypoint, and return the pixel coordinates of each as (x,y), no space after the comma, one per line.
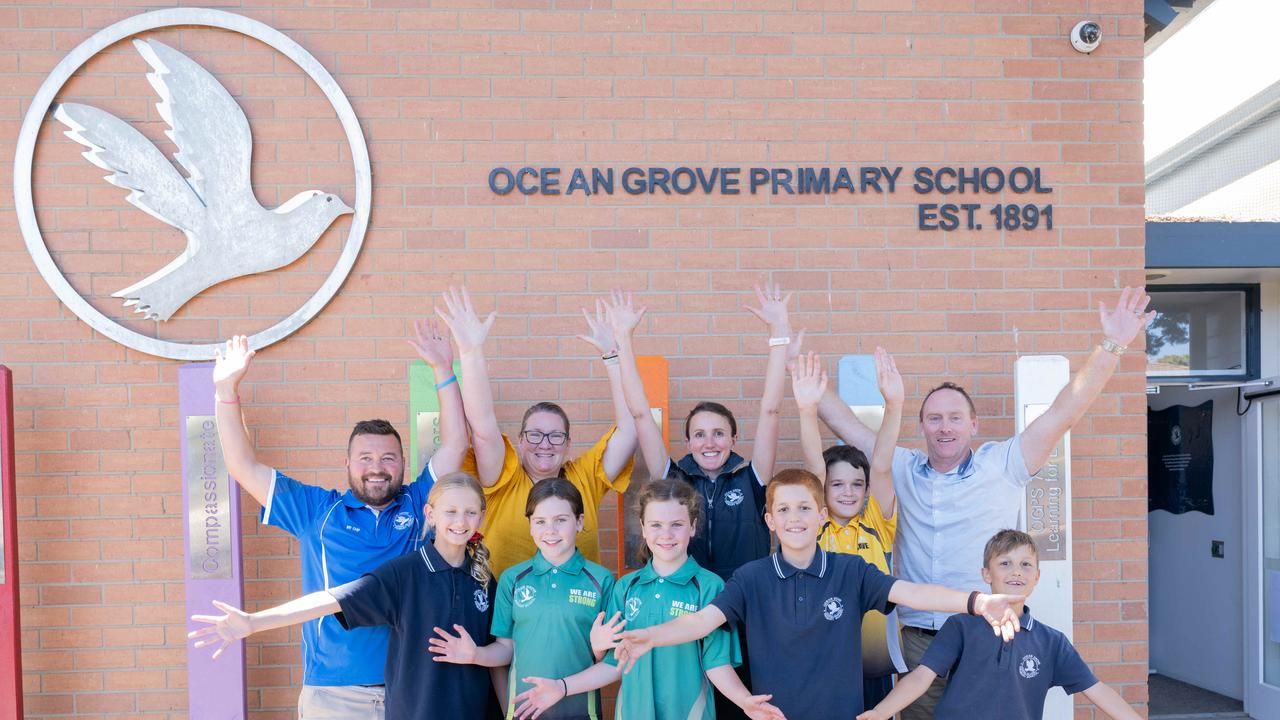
(860,504)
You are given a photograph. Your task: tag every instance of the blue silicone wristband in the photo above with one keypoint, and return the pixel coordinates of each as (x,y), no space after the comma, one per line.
(452,379)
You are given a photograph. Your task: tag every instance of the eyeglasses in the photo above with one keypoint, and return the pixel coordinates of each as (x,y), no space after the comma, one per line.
(535,437)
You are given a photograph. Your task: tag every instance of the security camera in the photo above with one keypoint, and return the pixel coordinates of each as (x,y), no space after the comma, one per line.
(1086,36)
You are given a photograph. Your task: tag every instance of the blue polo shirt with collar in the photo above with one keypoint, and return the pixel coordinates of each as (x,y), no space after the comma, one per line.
(340,538)
(733,531)
(945,519)
(991,678)
(804,629)
(411,596)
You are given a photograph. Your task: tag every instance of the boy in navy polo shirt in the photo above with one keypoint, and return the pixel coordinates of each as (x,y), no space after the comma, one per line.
(802,609)
(990,678)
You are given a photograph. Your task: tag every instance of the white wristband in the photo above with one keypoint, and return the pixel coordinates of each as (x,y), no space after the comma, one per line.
(776,341)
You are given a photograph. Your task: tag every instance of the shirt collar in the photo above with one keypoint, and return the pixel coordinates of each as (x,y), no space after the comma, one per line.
(435,562)
(681,576)
(573,565)
(961,471)
(691,468)
(1028,622)
(817,568)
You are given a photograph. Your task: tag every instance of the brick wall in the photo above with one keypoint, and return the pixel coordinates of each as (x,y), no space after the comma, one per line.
(448,91)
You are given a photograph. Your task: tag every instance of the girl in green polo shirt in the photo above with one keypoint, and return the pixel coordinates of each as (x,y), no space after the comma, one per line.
(546,607)
(673,682)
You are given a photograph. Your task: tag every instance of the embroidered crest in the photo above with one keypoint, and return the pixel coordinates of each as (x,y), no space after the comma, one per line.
(402,521)
(733,497)
(482,599)
(525,595)
(833,608)
(633,608)
(1029,667)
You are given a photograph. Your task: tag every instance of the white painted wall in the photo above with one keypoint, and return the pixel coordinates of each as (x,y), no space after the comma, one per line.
(1195,599)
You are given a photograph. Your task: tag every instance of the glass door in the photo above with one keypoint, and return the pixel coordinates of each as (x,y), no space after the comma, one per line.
(1262,560)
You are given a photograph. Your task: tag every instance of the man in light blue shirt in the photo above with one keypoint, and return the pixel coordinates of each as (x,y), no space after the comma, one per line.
(951,498)
(344,534)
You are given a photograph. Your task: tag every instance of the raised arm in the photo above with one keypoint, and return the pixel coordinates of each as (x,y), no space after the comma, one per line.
(808,384)
(469,332)
(235,625)
(881,481)
(623,319)
(432,343)
(836,414)
(1119,326)
(773,312)
(904,692)
(1001,611)
(686,628)
(622,443)
(1110,702)
(229,367)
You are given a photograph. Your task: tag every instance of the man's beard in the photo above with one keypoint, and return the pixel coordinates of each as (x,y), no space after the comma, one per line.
(379,494)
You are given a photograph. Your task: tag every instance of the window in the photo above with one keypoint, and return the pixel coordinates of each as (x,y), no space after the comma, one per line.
(1203,333)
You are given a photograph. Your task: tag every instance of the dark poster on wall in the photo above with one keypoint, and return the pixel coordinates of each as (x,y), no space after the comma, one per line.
(1180,459)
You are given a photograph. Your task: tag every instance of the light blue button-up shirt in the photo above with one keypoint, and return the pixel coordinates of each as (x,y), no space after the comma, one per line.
(946,519)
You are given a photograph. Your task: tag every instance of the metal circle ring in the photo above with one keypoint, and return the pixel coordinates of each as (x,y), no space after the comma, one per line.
(128,27)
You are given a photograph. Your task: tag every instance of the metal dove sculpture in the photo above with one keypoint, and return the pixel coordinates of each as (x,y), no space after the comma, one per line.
(229,233)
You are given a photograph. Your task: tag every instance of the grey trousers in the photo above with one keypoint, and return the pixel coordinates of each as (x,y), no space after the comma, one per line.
(914,644)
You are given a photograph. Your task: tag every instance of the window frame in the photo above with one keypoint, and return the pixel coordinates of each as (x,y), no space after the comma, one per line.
(1252,333)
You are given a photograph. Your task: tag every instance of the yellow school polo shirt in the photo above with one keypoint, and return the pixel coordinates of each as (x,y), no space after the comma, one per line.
(506,529)
(869,536)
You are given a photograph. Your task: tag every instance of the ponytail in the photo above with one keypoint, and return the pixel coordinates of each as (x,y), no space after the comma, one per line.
(479,554)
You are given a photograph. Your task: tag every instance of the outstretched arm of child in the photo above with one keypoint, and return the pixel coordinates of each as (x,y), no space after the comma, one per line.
(1110,702)
(881,480)
(237,625)
(911,686)
(1002,611)
(808,383)
(756,707)
(686,628)
(548,691)
(461,649)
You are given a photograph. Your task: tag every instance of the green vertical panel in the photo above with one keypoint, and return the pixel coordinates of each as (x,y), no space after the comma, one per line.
(424,414)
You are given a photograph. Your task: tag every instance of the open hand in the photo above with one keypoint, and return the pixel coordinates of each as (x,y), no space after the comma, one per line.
(633,646)
(622,314)
(460,315)
(808,381)
(889,378)
(538,699)
(230,363)
(432,344)
(1003,612)
(773,309)
(872,715)
(234,626)
(605,635)
(459,649)
(599,332)
(758,708)
(1122,324)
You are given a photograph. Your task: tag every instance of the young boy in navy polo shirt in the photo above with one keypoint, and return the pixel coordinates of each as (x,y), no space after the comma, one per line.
(990,678)
(802,609)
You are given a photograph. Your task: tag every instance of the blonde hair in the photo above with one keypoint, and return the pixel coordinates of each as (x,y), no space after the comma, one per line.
(476,549)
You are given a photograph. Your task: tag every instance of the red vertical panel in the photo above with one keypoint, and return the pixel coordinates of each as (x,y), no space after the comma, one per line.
(10,628)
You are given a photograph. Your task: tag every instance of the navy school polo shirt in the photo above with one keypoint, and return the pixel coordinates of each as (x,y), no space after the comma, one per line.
(991,678)
(340,538)
(413,594)
(733,531)
(804,629)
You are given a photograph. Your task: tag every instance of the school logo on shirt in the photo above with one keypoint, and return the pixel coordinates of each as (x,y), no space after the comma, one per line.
(733,497)
(1029,667)
(525,595)
(402,520)
(833,608)
(482,599)
(633,608)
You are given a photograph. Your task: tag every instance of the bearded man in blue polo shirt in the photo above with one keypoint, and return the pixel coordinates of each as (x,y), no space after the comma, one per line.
(343,535)
(951,498)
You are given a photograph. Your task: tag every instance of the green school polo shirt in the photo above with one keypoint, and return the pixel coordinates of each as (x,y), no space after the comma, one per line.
(670,683)
(547,611)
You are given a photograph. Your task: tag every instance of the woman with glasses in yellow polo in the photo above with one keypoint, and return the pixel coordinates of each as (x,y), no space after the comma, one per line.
(507,470)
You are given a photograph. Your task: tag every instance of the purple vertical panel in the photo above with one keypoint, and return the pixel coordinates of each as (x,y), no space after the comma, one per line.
(211,537)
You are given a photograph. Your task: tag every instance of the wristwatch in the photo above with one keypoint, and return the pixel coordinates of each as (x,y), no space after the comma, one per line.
(1112,347)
